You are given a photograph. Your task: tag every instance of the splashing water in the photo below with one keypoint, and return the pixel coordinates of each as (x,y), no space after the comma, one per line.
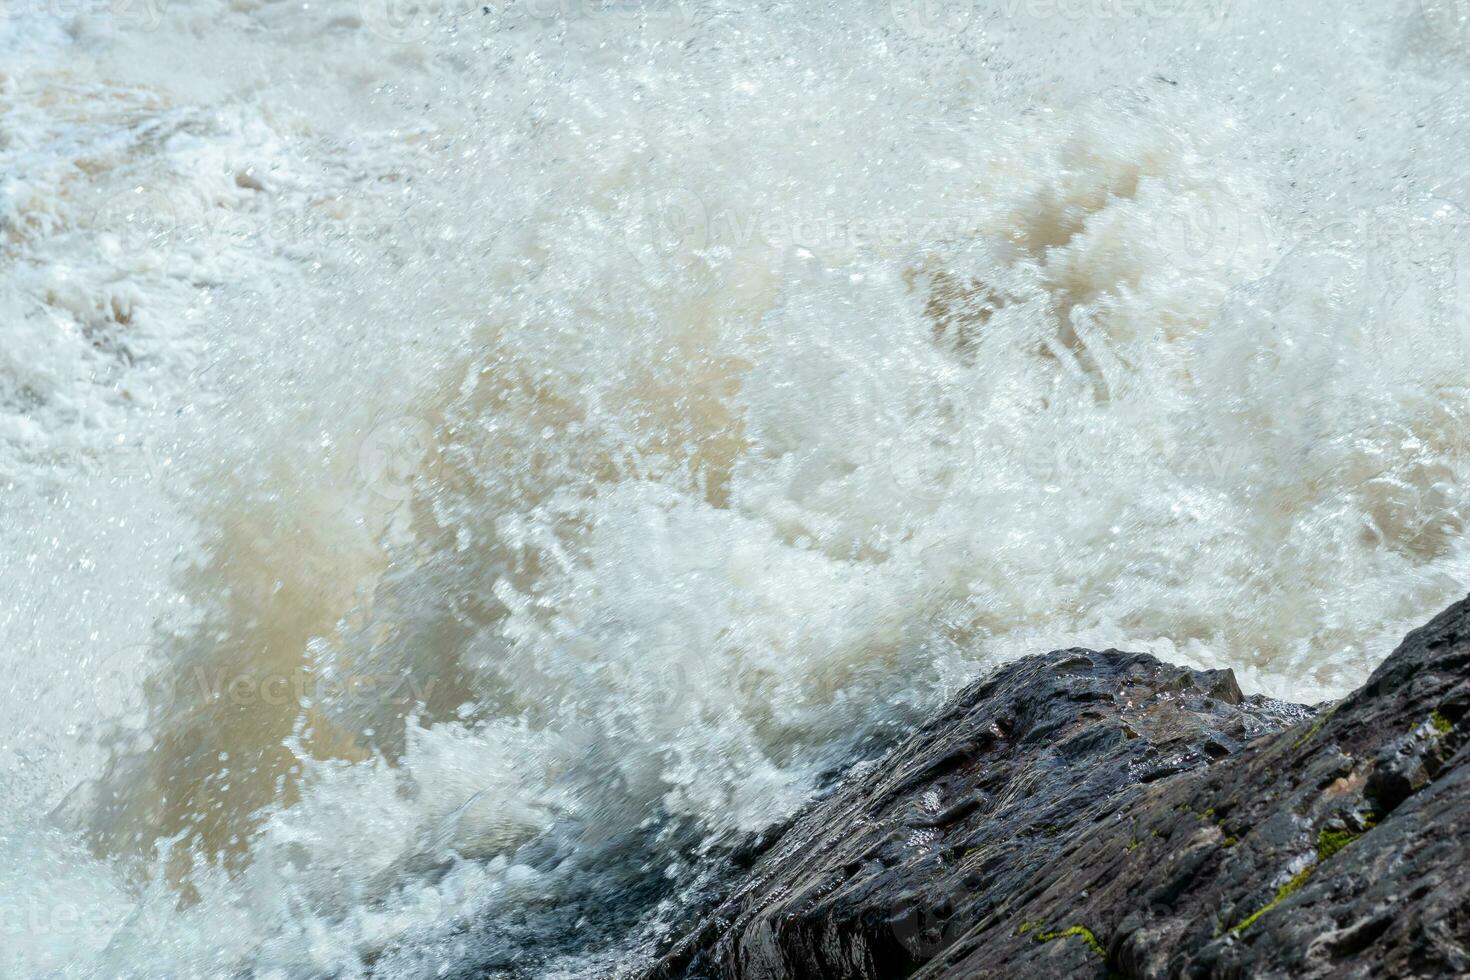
(467,468)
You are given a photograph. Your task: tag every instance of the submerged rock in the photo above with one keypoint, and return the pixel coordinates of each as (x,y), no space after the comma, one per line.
(1094,814)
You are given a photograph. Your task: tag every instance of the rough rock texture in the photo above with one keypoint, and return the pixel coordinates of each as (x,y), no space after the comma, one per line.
(1087,814)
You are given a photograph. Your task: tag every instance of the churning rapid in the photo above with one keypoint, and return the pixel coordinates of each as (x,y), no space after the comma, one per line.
(468,467)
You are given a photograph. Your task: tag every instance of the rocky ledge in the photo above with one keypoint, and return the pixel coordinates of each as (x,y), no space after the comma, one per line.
(1085,814)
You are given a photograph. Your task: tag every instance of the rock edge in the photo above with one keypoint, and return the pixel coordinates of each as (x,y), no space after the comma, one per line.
(1103,814)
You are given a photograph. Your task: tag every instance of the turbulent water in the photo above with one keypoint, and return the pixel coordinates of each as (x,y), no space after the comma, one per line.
(467,467)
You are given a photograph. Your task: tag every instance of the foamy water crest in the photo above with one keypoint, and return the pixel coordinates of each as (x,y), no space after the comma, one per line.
(472,468)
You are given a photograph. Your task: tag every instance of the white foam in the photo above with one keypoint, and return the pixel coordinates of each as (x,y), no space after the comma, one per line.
(461,462)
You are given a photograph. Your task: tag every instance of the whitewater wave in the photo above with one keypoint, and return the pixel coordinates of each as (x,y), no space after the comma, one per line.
(472,462)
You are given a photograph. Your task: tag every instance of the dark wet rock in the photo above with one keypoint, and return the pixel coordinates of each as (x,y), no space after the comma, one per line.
(1085,814)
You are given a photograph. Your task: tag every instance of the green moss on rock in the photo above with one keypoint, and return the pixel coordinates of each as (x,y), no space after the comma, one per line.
(1329,842)
(1082,932)
(1282,894)
(1316,727)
